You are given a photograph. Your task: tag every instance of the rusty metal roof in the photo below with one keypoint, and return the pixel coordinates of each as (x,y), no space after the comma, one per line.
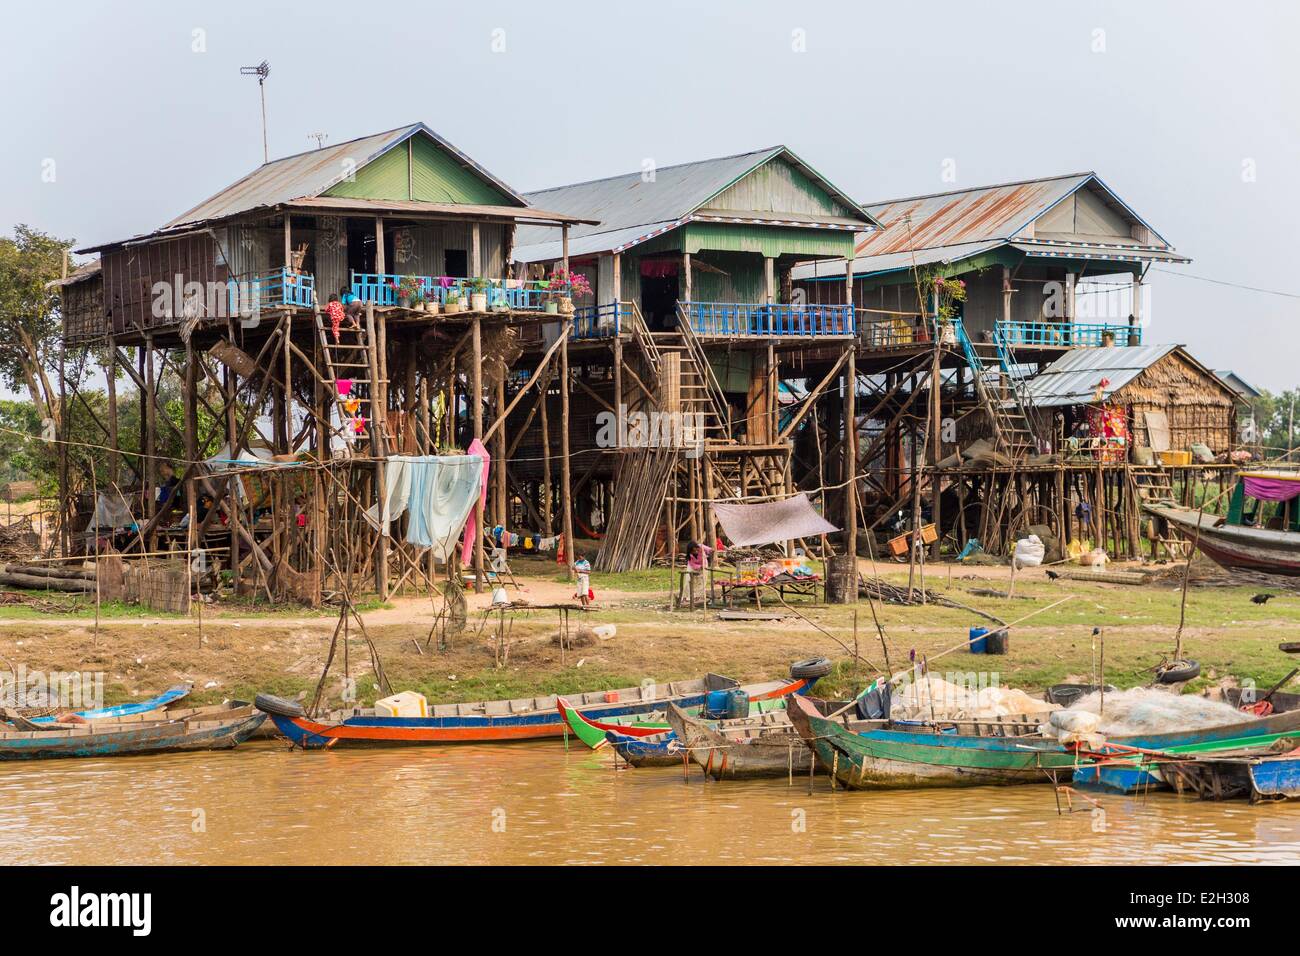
(968,215)
(944,227)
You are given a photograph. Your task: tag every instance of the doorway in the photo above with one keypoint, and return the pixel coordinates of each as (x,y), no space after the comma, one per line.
(659,302)
(361,247)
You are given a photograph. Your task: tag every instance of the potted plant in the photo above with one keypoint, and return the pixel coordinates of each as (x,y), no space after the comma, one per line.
(453,297)
(550,303)
(478,294)
(944,294)
(1107,339)
(407,289)
(564,286)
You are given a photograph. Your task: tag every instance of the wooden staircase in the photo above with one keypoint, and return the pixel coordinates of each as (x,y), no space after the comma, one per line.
(682,374)
(1000,394)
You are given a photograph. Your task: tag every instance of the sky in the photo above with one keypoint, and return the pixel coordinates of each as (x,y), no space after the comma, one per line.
(120,116)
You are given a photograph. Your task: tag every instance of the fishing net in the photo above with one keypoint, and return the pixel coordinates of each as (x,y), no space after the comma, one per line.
(1142,711)
(932,697)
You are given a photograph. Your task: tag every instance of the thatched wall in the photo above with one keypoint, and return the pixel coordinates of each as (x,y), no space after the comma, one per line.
(1199,406)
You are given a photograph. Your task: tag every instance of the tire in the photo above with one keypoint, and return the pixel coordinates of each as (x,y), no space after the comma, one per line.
(814,668)
(270,704)
(1178,672)
(1067,695)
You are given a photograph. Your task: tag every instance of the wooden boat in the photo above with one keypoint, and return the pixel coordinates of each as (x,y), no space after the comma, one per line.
(213,730)
(497,721)
(878,754)
(768,746)
(1232,541)
(1135,772)
(592,732)
(665,749)
(1260,773)
(658,750)
(154,705)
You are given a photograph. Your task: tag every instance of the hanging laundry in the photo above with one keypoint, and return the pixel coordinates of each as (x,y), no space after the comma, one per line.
(351,405)
(476,450)
(344,385)
(438,492)
(442,496)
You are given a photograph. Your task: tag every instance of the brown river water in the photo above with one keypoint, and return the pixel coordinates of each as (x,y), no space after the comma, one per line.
(537,803)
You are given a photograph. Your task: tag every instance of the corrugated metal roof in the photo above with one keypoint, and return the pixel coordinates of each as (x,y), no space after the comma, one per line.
(1073,378)
(894,261)
(631,202)
(313,172)
(967,215)
(1096,250)
(613,240)
(986,217)
(1237,383)
(309,174)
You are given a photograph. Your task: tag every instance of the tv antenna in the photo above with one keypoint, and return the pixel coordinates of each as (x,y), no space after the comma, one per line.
(319,138)
(261,71)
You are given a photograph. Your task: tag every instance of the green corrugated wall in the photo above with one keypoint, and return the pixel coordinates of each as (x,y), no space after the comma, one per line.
(767,240)
(434,176)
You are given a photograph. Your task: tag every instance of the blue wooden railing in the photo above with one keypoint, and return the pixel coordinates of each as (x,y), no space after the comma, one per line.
(739,319)
(271,289)
(599,321)
(525,296)
(1063,334)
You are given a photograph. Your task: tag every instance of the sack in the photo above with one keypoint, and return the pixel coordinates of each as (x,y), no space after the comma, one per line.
(1029,552)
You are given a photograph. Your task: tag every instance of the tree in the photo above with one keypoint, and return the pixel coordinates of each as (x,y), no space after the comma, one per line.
(1277,422)
(30,323)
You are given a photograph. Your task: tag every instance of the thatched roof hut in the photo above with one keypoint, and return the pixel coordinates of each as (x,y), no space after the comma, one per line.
(1172,400)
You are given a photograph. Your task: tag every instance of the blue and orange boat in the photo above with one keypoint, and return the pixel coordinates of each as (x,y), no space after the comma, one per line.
(500,721)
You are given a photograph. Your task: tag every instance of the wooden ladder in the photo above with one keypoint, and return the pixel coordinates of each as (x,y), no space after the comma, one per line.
(1150,484)
(1011,425)
(348,359)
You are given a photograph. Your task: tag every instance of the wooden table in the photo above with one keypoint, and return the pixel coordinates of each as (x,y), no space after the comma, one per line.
(781,584)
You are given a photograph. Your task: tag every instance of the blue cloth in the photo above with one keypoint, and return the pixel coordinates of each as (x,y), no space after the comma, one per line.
(443,490)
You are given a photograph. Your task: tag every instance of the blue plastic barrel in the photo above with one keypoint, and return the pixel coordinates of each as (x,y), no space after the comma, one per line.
(978,644)
(727,704)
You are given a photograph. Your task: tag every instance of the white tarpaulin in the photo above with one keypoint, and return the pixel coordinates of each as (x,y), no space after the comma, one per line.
(111,511)
(222,462)
(770,522)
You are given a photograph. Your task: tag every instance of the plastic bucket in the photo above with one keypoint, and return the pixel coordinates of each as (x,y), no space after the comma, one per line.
(978,643)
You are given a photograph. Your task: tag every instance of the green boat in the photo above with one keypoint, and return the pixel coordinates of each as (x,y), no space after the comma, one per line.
(592,732)
(870,755)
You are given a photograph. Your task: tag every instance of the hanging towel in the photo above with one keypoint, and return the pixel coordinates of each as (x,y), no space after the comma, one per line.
(439,493)
(397,493)
(442,496)
(476,449)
